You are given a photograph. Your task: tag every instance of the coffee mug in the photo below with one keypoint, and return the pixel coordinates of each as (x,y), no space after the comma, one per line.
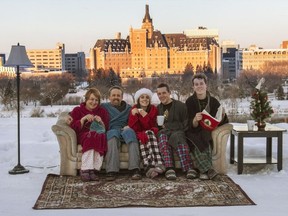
(160,120)
(250,125)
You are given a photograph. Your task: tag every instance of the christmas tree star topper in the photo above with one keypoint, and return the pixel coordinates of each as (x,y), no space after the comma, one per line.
(261,81)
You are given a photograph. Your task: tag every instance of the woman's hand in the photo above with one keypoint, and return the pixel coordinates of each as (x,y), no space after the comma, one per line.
(69,119)
(142,112)
(88,118)
(134,111)
(98,119)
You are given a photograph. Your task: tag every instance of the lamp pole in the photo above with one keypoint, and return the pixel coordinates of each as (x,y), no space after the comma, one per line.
(18,169)
(18,58)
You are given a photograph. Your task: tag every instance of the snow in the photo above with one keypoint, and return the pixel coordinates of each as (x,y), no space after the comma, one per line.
(267,187)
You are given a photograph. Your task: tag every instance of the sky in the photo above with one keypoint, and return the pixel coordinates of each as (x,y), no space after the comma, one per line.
(40,24)
(40,155)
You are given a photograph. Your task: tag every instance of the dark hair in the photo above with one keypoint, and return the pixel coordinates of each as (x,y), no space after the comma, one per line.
(139,106)
(115,87)
(161,85)
(93,91)
(199,76)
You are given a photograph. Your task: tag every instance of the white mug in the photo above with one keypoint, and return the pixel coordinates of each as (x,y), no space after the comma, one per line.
(250,125)
(160,120)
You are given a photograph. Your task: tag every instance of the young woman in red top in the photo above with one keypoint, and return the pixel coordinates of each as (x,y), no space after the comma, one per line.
(142,120)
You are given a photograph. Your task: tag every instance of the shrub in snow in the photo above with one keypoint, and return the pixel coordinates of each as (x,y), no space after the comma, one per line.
(37,112)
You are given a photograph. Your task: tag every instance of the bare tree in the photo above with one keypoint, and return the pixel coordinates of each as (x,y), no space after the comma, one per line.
(248,79)
(102,85)
(54,88)
(276,67)
(100,80)
(28,89)
(7,93)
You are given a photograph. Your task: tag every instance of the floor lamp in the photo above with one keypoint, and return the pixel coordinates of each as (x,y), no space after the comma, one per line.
(18,58)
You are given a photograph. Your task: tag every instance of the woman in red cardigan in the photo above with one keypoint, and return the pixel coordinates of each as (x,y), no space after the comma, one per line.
(142,120)
(90,121)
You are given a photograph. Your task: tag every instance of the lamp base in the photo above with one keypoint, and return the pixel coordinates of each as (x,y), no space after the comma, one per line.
(19,169)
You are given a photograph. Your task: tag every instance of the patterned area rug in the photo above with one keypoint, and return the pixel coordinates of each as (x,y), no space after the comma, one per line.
(68,192)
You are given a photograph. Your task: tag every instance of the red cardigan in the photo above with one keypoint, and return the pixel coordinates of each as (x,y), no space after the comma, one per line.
(141,124)
(90,139)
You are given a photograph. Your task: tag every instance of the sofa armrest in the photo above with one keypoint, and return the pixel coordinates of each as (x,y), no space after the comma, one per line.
(67,141)
(220,137)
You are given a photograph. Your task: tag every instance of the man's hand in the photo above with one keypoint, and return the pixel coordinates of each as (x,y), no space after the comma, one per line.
(198,117)
(126,127)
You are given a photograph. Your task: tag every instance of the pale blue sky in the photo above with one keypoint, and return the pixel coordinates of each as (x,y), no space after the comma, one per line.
(40,24)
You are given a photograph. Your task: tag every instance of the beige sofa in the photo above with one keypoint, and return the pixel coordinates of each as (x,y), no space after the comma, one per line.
(70,152)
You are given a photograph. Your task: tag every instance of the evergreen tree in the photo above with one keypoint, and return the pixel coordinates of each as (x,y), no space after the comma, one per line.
(114,79)
(188,71)
(280,93)
(260,106)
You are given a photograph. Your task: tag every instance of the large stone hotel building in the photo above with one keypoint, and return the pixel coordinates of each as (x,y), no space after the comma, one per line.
(147,52)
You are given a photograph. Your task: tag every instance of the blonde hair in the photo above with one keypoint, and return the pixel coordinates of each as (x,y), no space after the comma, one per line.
(93,91)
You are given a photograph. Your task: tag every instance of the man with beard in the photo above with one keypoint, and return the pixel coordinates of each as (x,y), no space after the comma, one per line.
(119,130)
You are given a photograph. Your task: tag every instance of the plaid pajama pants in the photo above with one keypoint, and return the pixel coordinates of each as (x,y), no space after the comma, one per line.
(150,151)
(202,160)
(182,151)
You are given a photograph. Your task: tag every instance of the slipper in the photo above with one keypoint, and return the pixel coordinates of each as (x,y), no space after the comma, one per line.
(111,176)
(151,173)
(212,173)
(160,168)
(170,174)
(93,175)
(192,174)
(85,176)
(136,175)
(204,176)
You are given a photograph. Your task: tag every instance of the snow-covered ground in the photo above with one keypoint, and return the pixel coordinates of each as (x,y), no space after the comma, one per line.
(267,187)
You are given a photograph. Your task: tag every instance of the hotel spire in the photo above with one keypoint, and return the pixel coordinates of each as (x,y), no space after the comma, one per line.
(147,15)
(147,23)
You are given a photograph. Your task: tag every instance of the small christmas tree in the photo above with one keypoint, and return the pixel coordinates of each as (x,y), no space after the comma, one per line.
(260,107)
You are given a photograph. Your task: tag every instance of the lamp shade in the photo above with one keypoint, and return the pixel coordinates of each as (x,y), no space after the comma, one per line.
(18,57)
